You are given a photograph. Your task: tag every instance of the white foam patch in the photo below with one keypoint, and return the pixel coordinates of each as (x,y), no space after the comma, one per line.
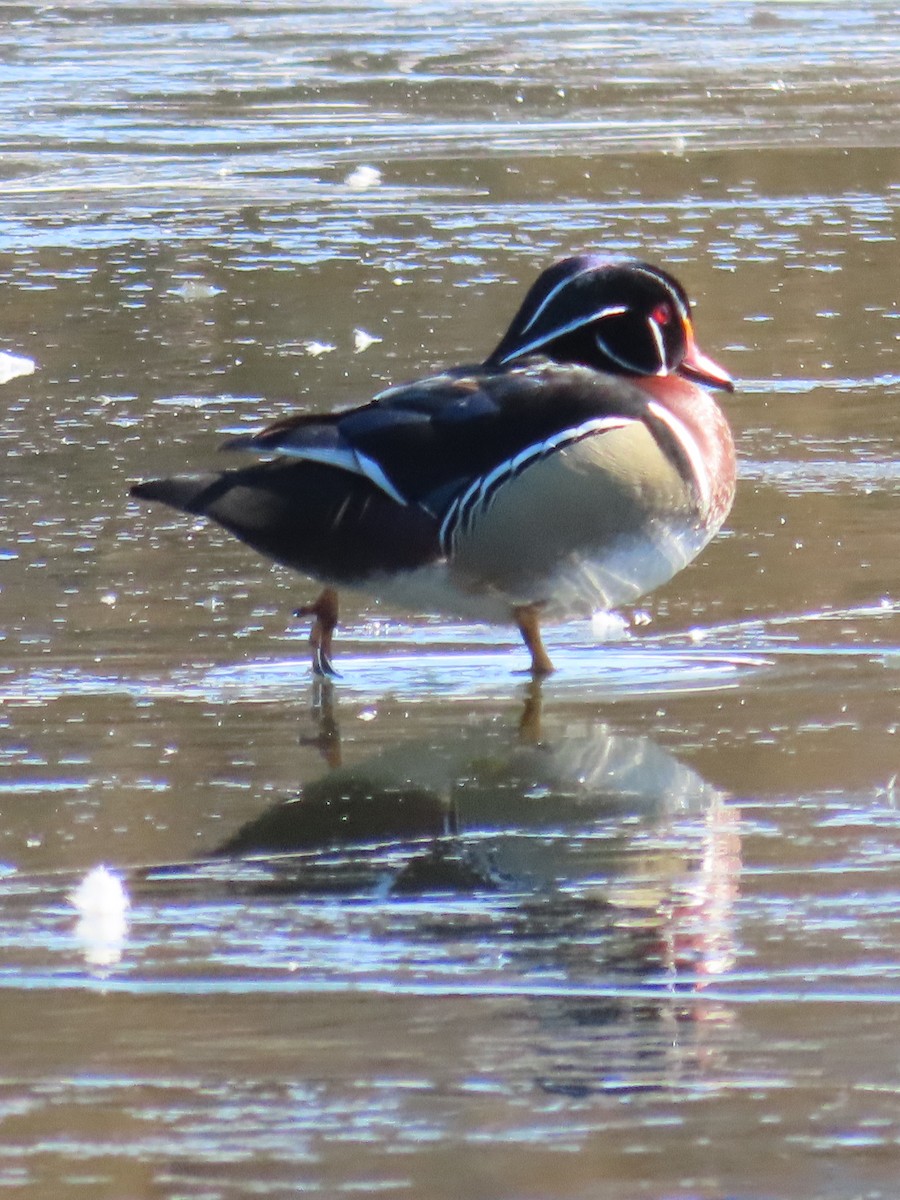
(14,365)
(363,177)
(101,902)
(609,626)
(362,340)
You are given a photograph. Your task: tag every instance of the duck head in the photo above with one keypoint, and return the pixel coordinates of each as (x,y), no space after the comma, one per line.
(618,315)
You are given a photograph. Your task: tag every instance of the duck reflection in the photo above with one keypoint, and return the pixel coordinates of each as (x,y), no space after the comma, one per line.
(578,878)
(605,850)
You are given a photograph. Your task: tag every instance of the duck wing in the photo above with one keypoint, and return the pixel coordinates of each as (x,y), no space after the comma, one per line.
(428,443)
(386,487)
(332,524)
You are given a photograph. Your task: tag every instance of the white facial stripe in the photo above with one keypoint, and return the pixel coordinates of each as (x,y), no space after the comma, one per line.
(613,311)
(633,368)
(617,358)
(660,347)
(554,292)
(690,448)
(651,274)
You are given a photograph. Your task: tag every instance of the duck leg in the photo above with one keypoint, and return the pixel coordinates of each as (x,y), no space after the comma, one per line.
(324,612)
(328,736)
(530,721)
(528,619)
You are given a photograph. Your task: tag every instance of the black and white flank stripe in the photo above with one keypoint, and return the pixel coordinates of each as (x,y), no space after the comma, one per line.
(472,504)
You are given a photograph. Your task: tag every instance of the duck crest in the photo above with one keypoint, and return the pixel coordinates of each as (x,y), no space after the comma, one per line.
(619,315)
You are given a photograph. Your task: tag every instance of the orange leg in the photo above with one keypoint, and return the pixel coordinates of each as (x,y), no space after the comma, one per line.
(528,619)
(328,737)
(324,612)
(530,721)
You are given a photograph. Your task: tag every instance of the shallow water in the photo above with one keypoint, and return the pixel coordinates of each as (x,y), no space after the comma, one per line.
(433,932)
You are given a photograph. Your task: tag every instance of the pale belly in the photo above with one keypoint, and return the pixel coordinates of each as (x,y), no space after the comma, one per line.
(593,527)
(580,584)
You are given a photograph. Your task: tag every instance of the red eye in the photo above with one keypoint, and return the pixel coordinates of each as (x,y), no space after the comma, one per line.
(662,314)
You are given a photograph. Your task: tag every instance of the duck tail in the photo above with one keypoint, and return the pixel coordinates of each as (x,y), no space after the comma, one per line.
(187,493)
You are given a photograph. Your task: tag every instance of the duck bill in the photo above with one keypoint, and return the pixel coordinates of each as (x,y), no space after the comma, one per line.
(698,367)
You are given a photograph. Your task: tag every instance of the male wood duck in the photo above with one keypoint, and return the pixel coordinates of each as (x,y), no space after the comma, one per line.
(576,468)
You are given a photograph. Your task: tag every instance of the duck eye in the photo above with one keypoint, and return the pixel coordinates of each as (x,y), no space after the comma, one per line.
(662,314)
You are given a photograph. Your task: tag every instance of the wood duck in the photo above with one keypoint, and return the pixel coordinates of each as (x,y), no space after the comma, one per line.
(578,467)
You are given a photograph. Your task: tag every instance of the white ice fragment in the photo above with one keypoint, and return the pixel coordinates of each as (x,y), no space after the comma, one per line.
(362,340)
(100,894)
(102,906)
(363,177)
(316,349)
(196,289)
(14,365)
(609,626)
